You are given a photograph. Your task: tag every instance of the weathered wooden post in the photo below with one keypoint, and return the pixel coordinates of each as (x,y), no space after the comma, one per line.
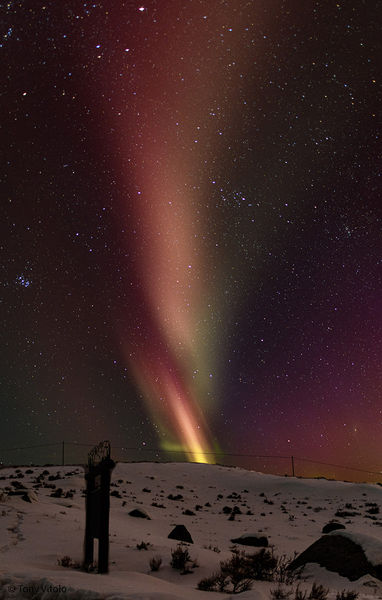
(97,476)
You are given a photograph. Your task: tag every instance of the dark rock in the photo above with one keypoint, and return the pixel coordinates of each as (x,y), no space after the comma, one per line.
(251,540)
(332,526)
(177,497)
(29,497)
(188,512)
(181,533)
(116,494)
(18,485)
(374,510)
(345,514)
(140,513)
(340,554)
(57,493)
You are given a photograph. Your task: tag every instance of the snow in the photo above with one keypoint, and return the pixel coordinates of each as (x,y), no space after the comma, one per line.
(370,545)
(290,512)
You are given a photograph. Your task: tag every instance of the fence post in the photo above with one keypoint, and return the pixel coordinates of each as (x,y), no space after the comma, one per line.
(292,457)
(63,453)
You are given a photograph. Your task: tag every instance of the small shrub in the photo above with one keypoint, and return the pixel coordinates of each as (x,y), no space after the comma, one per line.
(65,561)
(241,585)
(282,572)
(347,595)
(208,584)
(68,563)
(262,565)
(216,583)
(237,574)
(299,595)
(143,546)
(180,557)
(318,592)
(280,593)
(155,563)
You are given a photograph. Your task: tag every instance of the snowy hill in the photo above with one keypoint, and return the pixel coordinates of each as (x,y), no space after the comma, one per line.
(289,512)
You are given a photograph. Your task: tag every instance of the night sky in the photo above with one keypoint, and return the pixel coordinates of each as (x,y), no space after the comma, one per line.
(191,243)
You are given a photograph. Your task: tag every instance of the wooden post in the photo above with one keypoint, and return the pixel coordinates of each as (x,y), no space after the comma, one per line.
(89,542)
(293,475)
(98,476)
(103,537)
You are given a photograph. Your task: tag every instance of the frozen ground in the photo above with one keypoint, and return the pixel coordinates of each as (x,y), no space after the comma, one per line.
(290,512)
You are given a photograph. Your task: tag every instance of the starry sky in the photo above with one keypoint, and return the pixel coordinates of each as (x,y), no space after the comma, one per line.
(191,244)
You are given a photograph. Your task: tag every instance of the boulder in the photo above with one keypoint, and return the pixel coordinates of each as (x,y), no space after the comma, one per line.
(249,539)
(332,526)
(349,555)
(181,533)
(116,494)
(140,513)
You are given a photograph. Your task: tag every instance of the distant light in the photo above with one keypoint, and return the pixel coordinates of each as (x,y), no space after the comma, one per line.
(141,8)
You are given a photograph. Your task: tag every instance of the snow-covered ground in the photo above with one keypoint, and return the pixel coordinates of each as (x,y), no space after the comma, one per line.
(290,512)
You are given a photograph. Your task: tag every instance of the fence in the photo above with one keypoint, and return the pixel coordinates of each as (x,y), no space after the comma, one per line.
(74,453)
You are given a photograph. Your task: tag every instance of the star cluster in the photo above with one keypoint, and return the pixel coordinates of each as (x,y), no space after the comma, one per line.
(192,246)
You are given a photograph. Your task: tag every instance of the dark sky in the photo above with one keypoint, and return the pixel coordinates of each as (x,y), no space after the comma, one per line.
(191,244)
